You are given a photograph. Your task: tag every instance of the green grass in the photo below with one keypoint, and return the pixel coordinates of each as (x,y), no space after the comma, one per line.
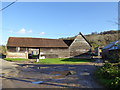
(15,59)
(63,61)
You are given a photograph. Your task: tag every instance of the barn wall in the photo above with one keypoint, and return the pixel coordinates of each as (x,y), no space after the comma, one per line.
(12,53)
(105,54)
(114,52)
(55,52)
(80,48)
(15,55)
(11,49)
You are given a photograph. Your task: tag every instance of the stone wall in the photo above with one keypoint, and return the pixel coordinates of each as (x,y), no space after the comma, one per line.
(15,55)
(80,48)
(55,52)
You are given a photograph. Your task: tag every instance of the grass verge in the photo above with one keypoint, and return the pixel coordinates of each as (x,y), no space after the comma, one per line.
(63,61)
(15,59)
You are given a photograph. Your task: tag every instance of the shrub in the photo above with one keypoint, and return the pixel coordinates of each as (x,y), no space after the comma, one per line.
(114,58)
(115,82)
(111,73)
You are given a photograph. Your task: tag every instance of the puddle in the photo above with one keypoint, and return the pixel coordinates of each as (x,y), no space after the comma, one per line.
(84,73)
(72,67)
(60,75)
(2,74)
(63,73)
(38,67)
(25,66)
(38,82)
(44,67)
(59,79)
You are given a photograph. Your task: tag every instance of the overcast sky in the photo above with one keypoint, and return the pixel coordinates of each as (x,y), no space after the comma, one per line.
(56,20)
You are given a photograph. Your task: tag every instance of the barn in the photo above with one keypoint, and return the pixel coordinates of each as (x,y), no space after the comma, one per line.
(111,49)
(21,47)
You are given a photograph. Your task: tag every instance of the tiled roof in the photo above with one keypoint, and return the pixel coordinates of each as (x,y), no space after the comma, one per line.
(35,42)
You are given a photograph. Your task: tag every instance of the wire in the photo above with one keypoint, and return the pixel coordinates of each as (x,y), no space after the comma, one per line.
(8,5)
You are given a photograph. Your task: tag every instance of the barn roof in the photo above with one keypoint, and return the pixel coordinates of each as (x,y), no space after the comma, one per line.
(85,39)
(110,45)
(116,46)
(68,42)
(35,42)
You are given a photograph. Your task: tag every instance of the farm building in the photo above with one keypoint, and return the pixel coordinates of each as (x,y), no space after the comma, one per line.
(22,47)
(110,49)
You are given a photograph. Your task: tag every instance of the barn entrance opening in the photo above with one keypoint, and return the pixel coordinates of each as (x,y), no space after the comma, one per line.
(33,53)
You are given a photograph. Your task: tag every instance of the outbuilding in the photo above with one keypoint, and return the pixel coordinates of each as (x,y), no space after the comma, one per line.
(21,47)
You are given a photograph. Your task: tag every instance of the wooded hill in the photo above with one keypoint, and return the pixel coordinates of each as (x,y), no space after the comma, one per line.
(99,39)
(96,39)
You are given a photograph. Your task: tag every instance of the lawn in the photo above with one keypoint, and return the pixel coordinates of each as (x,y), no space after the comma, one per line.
(63,61)
(15,59)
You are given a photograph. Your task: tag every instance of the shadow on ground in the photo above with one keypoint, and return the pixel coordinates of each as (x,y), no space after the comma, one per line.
(77,60)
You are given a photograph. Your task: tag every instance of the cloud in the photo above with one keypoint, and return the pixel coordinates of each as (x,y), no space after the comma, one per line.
(30,31)
(42,33)
(22,31)
(10,31)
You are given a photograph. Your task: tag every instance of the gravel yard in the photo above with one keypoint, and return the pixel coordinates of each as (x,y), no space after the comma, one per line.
(52,76)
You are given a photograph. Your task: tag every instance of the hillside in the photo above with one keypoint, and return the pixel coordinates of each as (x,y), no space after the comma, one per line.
(99,39)
(96,39)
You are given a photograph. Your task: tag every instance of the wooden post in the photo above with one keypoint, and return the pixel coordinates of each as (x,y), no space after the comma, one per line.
(39,54)
(37,59)
(26,53)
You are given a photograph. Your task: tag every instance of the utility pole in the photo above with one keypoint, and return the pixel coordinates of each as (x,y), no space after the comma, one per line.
(119,21)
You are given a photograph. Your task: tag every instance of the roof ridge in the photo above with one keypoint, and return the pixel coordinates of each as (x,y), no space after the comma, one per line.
(35,38)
